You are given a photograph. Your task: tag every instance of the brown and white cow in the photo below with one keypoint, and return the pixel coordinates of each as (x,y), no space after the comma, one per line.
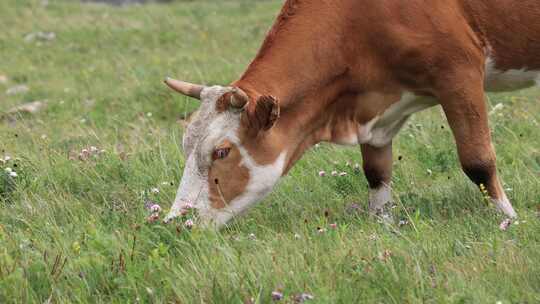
(352,72)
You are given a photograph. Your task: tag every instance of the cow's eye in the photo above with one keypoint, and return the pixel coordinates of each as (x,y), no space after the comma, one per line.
(221,153)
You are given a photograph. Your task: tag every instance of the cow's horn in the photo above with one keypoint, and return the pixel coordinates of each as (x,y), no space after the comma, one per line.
(238,98)
(186,88)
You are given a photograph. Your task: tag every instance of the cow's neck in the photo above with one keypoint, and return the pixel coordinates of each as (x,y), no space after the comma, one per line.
(300,65)
(298,56)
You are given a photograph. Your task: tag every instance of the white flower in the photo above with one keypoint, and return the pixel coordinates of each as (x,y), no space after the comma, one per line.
(322,173)
(343,174)
(334,173)
(252,236)
(297,236)
(8,170)
(13,174)
(277,296)
(154,190)
(155,208)
(7,158)
(189,224)
(94,149)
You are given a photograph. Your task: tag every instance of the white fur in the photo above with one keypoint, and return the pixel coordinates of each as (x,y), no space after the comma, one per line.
(381,130)
(262,180)
(497,80)
(504,205)
(379,197)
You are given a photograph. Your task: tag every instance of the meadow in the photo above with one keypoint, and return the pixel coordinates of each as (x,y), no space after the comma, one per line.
(73,227)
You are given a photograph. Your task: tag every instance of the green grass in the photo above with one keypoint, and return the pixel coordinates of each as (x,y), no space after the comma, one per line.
(75,231)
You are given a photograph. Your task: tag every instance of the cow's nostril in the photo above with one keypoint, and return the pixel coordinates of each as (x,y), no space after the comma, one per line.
(216,181)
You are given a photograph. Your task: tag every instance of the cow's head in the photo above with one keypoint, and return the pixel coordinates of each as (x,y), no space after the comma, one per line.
(230,161)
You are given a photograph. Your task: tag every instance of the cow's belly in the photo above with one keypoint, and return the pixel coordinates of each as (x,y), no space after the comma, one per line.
(509,80)
(382,129)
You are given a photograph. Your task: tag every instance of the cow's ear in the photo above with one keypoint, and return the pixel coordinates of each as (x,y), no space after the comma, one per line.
(235,99)
(262,114)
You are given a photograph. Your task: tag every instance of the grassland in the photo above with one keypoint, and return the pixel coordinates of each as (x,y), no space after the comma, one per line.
(75,231)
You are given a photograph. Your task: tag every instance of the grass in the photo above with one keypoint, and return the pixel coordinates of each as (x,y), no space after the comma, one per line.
(75,231)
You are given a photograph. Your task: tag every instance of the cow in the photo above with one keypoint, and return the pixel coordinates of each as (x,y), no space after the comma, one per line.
(352,72)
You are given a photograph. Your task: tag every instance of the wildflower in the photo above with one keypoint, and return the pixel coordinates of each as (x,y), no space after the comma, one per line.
(7,158)
(301,298)
(93,149)
(189,224)
(252,236)
(322,173)
(334,173)
(43,136)
(152,218)
(333,225)
(148,204)
(13,174)
(357,167)
(8,170)
(297,236)
(85,151)
(149,114)
(155,208)
(403,223)
(321,230)
(277,296)
(343,174)
(429,172)
(154,190)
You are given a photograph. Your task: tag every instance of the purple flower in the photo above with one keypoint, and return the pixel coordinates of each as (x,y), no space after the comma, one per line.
(277,296)
(155,208)
(322,173)
(505,224)
(189,224)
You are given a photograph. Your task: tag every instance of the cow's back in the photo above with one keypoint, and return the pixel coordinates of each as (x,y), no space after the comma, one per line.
(511,30)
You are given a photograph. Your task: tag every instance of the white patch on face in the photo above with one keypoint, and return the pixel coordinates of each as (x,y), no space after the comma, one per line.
(504,205)
(262,180)
(381,130)
(379,197)
(497,80)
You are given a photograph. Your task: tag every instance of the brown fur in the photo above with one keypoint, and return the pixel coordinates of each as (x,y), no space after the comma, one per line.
(336,64)
(224,189)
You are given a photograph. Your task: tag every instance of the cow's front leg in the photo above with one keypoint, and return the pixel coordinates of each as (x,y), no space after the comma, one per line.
(465,108)
(377,164)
